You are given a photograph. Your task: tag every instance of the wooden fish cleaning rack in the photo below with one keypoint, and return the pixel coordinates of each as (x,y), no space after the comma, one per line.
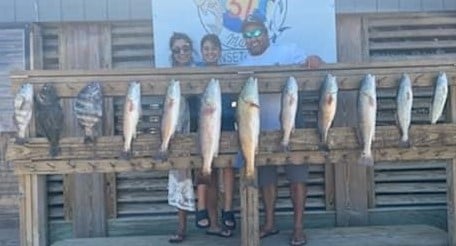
(31,162)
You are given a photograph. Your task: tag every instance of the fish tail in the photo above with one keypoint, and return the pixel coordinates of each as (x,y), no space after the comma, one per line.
(323,146)
(54,150)
(161,156)
(285,146)
(250,181)
(125,155)
(203,178)
(366,160)
(89,139)
(404,143)
(20,140)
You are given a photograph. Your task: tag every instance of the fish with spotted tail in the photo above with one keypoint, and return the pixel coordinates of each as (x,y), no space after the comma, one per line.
(288,111)
(88,108)
(23,108)
(404,101)
(248,123)
(327,108)
(132,112)
(49,116)
(367,110)
(210,121)
(170,117)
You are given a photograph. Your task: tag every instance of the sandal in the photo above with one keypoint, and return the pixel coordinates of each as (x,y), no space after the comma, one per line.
(267,233)
(202,215)
(228,220)
(176,238)
(225,233)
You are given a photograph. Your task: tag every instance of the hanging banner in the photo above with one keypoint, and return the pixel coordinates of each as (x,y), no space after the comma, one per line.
(308,23)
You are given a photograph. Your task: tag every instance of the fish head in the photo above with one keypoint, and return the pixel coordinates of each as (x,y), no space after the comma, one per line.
(134,90)
(330,84)
(47,95)
(212,94)
(368,85)
(26,91)
(249,92)
(173,90)
(291,87)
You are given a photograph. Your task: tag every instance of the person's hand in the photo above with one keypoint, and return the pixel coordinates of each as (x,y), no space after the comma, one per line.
(313,61)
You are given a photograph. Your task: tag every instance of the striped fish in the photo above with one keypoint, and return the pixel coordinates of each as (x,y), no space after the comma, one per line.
(88,108)
(23,107)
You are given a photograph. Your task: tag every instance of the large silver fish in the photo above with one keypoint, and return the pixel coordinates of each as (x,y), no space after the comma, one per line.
(404,101)
(170,117)
(23,108)
(288,111)
(210,119)
(327,108)
(440,96)
(88,108)
(367,110)
(49,116)
(132,112)
(248,123)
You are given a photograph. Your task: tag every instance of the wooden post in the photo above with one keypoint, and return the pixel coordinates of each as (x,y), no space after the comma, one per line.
(250,229)
(451,174)
(33,210)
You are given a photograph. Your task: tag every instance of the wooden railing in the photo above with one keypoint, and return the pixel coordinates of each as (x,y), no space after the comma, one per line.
(31,161)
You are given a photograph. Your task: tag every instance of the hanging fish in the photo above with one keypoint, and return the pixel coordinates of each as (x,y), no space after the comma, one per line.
(404,101)
(288,111)
(88,108)
(170,117)
(49,116)
(327,108)
(132,112)
(440,96)
(367,110)
(23,107)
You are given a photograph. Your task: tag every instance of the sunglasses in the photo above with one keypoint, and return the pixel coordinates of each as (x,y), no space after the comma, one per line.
(178,50)
(253,34)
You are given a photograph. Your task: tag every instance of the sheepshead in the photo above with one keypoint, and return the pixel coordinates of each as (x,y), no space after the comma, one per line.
(88,108)
(288,110)
(367,110)
(49,116)
(23,107)
(132,112)
(327,108)
(440,96)
(210,120)
(169,121)
(404,101)
(248,123)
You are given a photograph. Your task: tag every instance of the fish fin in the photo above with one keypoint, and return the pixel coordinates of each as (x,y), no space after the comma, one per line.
(291,101)
(129,105)
(19,103)
(329,99)
(359,137)
(365,160)
(254,105)
(125,155)
(20,141)
(371,101)
(405,144)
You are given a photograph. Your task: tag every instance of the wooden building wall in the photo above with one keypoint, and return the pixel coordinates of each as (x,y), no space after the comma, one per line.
(111,10)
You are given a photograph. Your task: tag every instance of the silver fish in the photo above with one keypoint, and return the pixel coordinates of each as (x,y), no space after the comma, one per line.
(49,116)
(88,108)
(132,112)
(210,120)
(327,108)
(170,117)
(248,123)
(440,97)
(367,110)
(23,108)
(288,111)
(404,101)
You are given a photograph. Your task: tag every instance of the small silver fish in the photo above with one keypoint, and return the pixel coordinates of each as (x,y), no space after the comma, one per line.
(367,110)
(132,112)
(288,111)
(49,116)
(440,97)
(210,122)
(248,123)
(23,108)
(404,101)
(327,108)
(88,108)
(170,117)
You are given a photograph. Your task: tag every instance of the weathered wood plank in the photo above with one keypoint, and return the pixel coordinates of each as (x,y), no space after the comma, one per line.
(271,79)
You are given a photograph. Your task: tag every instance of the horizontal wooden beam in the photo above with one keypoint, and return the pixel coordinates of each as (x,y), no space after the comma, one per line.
(271,79)
(429,142)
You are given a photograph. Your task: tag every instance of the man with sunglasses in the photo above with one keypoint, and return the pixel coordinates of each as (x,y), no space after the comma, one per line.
(263,53)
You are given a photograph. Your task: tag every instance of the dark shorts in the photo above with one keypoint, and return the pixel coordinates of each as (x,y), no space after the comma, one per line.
(295,173)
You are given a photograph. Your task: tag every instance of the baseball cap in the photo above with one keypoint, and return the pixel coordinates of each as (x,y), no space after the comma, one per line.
(254,19)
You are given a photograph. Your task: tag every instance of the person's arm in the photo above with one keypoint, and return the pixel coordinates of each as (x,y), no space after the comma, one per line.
(308,61)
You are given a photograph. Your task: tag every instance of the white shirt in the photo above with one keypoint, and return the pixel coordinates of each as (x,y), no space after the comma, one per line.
(270,103)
